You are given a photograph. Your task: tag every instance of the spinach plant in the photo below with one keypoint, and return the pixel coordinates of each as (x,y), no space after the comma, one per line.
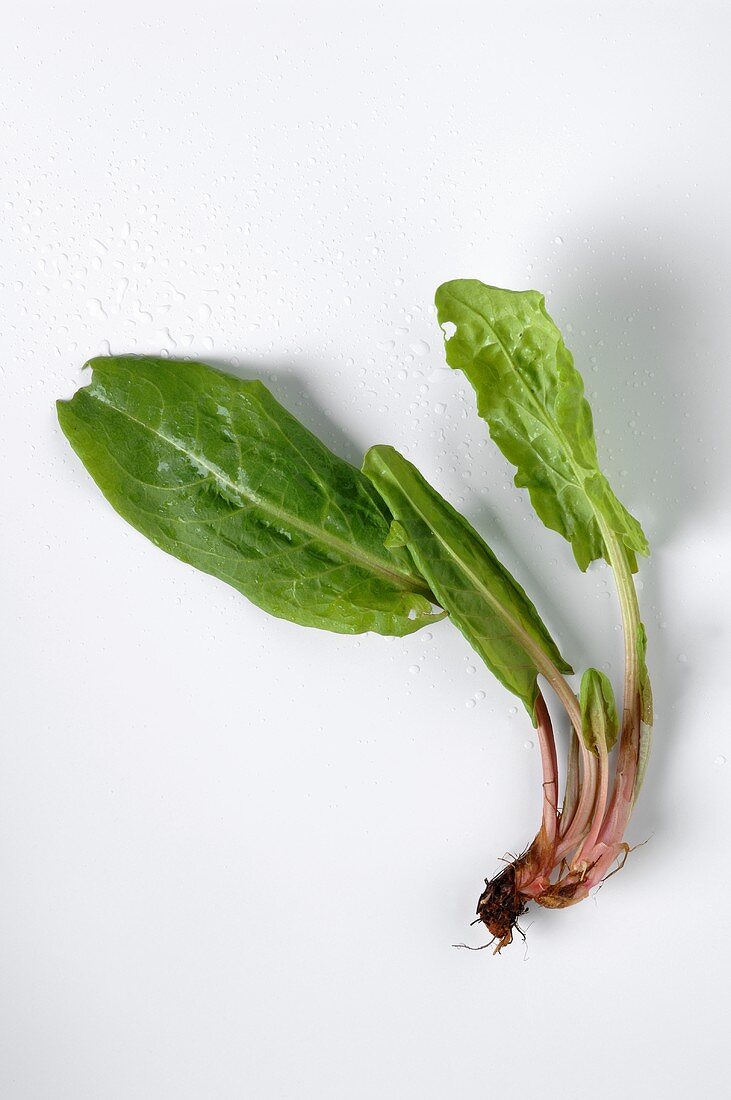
(215,471)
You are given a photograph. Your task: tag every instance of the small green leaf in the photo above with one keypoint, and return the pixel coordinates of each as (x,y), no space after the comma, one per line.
(396,536)
(216,472)
(643,675)
(532,398)
(483,600)
(599,720)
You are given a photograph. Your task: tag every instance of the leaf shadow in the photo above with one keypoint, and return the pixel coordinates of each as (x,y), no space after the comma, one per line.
(290,382)
(633,304)
(624,310)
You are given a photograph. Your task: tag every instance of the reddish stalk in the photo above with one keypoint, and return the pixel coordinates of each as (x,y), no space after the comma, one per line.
(582,859)
(533,874)
(504,898)
(573,782)
(609,842)
(578,827)
(604,842)
(549,765)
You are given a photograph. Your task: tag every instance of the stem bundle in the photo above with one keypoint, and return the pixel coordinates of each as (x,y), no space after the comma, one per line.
(576,846)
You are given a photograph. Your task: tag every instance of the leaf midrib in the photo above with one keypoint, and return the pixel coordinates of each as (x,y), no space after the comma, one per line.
(345,549)
(541,661)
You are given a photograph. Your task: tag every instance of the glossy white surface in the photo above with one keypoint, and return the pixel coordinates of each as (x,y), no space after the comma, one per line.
(234,853)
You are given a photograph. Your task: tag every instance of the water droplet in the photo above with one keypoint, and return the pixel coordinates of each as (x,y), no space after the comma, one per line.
(470,670)
(95,308)
(413,669)
(528,745)
(479,696)
(558,240)
(420,347)
(512,711)
(165,336)
(470,704)
(720,760)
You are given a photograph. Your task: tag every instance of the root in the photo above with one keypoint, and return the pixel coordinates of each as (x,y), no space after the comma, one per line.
(506,896)
(500,907)
(621,860)
(481,947)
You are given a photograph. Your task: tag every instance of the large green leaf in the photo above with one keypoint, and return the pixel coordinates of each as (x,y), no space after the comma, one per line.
(532,398)
(216,472)
(483,600)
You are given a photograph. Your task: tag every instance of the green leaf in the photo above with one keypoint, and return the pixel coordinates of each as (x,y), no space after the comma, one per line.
(599,719)
(483,600)
(216,472)
(532,398)
(644,676)
(396,536)
(646,709)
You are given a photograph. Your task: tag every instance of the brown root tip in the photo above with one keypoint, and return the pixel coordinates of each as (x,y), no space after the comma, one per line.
(500,906)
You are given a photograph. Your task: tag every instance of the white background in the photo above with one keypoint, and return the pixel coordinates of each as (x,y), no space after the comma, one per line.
(235,853)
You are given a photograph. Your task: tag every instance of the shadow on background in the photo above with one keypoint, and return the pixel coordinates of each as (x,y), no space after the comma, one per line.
(288,380)
(635,307)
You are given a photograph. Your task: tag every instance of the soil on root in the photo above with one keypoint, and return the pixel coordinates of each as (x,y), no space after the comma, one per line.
(500,906)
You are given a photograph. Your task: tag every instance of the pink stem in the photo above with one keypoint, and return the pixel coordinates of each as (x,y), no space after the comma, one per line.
(579,861)
(597,856)
(571,794)
(579,825)
(533,869)
(608,844)
(549,763)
